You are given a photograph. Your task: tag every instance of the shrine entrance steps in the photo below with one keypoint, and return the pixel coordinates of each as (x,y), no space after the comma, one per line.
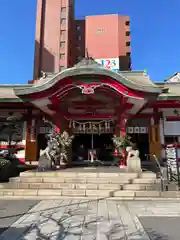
(90,184)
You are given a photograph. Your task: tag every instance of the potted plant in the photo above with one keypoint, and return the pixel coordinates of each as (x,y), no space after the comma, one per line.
(121,143)
(64,141)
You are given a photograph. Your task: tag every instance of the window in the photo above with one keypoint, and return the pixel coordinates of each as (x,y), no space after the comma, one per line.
(128,44)
(62,68)
(62,44)
(127,23)
(63,9)
(63,21)
(128,54)
(128,33)
(78,28)
(78,59)
(100,31)
(79,37)
(62,56)
(63,32)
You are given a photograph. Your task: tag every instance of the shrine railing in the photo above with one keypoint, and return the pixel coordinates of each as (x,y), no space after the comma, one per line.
(157,167)
(162,174)
(168,171)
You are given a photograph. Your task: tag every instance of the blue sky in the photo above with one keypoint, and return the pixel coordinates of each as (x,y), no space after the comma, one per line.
(155,33)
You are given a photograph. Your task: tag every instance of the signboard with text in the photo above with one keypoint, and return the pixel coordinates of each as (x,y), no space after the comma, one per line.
(109,63)
(45,127)
(171,158)
(87,130)
(133,130)
(172,163)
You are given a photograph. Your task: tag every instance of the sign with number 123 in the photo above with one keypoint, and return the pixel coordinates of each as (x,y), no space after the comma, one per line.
(110,63)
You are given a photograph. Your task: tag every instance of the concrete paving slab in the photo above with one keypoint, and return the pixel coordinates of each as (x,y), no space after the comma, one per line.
(11,210)
(161,228)
(73,219)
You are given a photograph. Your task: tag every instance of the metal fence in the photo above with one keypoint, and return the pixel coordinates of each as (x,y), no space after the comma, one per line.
(168,171)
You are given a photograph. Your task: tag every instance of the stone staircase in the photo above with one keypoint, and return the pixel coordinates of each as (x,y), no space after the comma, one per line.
(83,184)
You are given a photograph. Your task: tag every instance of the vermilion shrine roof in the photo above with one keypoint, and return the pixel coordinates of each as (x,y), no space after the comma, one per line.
(136,80)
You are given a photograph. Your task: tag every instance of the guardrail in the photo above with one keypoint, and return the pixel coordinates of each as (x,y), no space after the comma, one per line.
(166,174)
(163,174)
(160,171)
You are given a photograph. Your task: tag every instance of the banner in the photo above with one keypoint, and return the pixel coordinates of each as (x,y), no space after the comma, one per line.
(172,161)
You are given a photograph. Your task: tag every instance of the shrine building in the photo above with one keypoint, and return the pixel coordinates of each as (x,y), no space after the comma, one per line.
(92,97)
(89,99)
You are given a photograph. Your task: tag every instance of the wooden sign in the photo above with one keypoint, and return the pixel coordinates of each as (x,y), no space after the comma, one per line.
(139,130)
(45,127)
(45,130)
(143,130)
(136,129)
(130,130)
(87,130)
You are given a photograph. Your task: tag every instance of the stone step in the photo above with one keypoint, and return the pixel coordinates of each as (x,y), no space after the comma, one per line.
(56,192)
(85,194)
(82,174)
(75,185)
(148,175)
(119,180)
(110,186)
(146,194)
(141,187)
(146,181)
(4,185)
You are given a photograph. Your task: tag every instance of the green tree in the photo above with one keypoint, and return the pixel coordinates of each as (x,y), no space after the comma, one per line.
(9,163)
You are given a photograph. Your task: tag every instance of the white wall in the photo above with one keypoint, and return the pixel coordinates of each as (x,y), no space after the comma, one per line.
(168,111)
(172,128)
(169,128)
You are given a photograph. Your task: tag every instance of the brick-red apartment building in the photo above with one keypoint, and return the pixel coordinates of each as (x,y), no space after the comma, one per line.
(61,41)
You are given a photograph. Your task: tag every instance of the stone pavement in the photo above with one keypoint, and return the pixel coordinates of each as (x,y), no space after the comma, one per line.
(96,219)
(11,211)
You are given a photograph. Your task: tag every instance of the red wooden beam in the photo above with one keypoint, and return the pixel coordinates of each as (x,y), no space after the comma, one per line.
(173,118)
(167,104)
(148,115)
(90,116)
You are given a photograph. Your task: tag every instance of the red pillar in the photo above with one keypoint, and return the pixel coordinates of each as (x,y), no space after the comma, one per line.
(122,124)
(57,122)
(122,116)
